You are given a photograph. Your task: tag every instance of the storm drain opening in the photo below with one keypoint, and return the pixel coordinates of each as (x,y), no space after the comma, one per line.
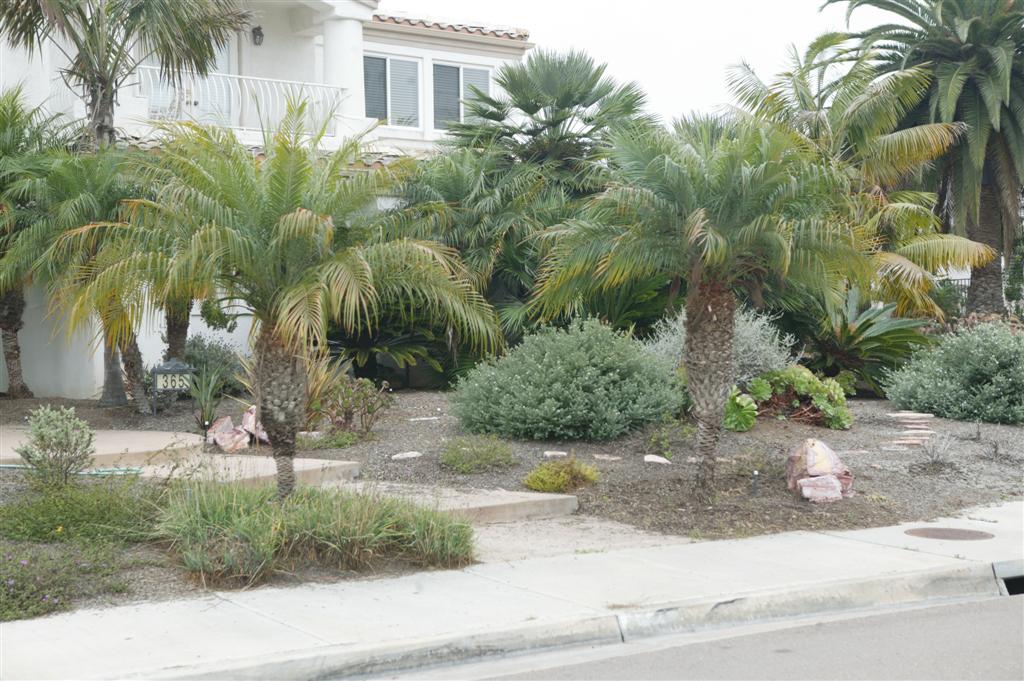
(1014,585)
(949,533)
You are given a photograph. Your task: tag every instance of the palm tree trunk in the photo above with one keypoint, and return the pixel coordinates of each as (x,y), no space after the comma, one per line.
(100,110)
(113,382)
(282,388)
(135,371)
(707,357)
(985,295)
(177,319)
(12,309)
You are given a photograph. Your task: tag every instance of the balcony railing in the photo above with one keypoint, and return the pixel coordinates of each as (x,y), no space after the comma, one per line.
(234,101)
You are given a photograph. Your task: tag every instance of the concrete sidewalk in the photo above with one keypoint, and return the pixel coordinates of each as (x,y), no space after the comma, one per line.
(372,625)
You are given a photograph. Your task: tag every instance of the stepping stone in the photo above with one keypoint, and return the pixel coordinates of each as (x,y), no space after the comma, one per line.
(426,418)
(918,431)
(894,448)
(554,454)
(406,455)
(607,457)
(910,415)
(654,458)
(916,443)
(850,452)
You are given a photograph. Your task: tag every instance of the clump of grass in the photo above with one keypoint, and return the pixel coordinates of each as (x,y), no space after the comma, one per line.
(105,510)
(561,476)
(335,439)
(476,454)
(236,535)
(37,579)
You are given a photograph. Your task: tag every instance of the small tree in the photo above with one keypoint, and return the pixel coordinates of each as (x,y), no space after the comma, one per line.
(105,40)
(722,205)
(59,446)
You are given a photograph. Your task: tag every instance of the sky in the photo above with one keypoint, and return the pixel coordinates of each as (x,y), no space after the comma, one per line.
(679,51)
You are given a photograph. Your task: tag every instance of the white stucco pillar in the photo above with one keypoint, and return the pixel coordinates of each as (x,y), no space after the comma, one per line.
(343,63)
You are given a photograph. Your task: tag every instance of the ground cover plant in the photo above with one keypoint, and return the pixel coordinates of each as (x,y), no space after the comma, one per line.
(583,382)
(561,475)
(976,374)
(477,453)
(797,393)
(236,535)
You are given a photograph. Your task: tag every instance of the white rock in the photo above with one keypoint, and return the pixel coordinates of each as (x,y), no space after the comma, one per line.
(406,455)
(654,458)
(426,418)
(607,457)
(692,459)
(554,454)
(912,415)
(894,448)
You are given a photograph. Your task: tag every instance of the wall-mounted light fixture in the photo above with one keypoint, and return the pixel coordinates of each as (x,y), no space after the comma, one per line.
(257,35)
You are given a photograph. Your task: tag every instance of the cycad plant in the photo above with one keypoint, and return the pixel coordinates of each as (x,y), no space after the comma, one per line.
(974,52)
(722,205)
(834,98)
(287,234)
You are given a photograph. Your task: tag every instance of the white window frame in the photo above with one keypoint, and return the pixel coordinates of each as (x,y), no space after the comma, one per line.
(462,87)
(387,87)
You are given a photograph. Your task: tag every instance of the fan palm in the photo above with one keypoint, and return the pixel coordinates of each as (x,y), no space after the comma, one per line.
(60,195)
(554,109)
(24,133)
(838,104)
(974,51)
(723,205)
(289,236)
(105,40)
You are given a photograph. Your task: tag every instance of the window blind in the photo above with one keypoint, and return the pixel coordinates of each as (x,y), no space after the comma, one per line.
(446,95)
(405,93)
(375,84)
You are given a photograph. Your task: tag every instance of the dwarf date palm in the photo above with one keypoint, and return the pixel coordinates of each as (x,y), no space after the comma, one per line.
(838,103)
(104,41)
(974,51)
(721,206)
(288,235)
(25,132)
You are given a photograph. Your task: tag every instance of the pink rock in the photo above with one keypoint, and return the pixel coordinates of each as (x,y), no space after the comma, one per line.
(221,425)
(814,459)
(251,425)
(232,440)
(821,489)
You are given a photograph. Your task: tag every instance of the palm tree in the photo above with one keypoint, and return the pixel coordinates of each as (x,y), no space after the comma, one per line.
(838,104)
(65,193)
(974,51)
(24,133)
(555,109)
(721,205)
(105,40)
(288,235)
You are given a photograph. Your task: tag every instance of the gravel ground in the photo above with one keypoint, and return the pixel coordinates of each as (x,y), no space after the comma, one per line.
(892,486)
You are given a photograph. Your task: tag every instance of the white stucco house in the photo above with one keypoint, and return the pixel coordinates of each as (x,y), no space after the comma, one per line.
(396,80)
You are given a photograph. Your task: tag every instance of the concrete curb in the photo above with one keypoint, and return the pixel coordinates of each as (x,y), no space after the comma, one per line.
(971,579)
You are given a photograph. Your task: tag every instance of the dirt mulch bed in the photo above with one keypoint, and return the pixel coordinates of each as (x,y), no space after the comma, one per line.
(892,486)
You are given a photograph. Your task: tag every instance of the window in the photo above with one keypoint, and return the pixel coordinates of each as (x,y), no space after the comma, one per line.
(453,85)
(392,89)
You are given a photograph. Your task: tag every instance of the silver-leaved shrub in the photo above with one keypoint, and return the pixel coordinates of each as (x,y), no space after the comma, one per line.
(758,346)
(59,445)
(586,382)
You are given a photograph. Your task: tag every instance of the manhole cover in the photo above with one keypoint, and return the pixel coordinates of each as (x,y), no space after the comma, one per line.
(949,533)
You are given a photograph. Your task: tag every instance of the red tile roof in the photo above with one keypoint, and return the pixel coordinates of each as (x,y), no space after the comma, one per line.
(490,31)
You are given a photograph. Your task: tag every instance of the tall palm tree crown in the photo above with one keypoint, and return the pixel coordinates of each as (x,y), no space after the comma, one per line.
(723,205)
(104,41)
(289,236)
(836,101)
(974,50)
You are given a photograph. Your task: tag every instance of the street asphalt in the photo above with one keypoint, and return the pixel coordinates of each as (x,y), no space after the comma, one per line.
(982,639)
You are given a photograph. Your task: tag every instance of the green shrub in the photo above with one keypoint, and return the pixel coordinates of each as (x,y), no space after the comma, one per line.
(758,346)
(561,475)
(333,439)
(355,404)
(113,509)
(797,393)
(240,535)
(38,580)
(476,454)
(740,412)
(202,352)
(974,375)
(60,445)
(584,382)
(670,437)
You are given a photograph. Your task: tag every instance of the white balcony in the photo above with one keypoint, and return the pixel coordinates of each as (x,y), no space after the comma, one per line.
(240,102)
